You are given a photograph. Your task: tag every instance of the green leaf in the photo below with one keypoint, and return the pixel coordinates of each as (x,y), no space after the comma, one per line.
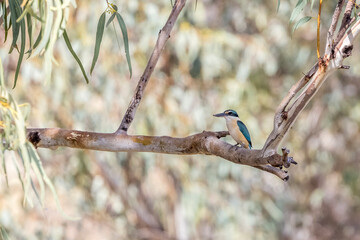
(300,23)
(29,27)
(99,35)
(24,12)
(5,15)
(22,50)
(31,12)
(15,12)
(47,26)
(298,9)
(38,165)
(68,44)
(110,19)
(126,40)
(37,41)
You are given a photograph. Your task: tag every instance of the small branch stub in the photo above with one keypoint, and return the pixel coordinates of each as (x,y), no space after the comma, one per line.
(287,161)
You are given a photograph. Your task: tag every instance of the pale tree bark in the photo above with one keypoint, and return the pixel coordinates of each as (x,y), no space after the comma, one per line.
(267,159)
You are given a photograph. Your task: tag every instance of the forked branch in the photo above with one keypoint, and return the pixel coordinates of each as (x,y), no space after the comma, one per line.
(335,54)
(209,143)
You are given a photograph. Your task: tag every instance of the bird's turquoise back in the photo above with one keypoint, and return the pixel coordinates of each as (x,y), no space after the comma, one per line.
(245,132)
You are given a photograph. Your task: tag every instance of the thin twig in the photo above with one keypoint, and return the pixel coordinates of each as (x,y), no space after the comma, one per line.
(283,175)
(334,22)
(345,24)
(164,35)
(296,88)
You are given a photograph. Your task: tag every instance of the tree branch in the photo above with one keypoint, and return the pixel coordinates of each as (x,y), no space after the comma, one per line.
(164,35)
(346,21)
(285,118)
(208,143)
(334,22)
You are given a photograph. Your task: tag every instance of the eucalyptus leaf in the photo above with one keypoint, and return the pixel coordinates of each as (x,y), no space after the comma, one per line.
(29,28)
(5,15)
(15,12)
(110,19)
(99,35)
(126,40)
(298,9)
(47,27)
(68,44)
(299,23)
(37,41)
(22,50)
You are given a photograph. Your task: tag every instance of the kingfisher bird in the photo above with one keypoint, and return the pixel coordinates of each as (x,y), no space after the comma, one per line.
(236,127)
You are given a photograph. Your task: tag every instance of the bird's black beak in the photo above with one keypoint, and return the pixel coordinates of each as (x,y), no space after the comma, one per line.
(219,115)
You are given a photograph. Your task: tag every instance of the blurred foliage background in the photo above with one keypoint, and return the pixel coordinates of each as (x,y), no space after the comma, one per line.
(221,54)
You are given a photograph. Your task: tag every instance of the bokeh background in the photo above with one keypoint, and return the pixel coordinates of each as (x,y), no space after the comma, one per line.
(221,54)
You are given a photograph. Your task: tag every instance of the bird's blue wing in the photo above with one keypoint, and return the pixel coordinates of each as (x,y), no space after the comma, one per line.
(245,132)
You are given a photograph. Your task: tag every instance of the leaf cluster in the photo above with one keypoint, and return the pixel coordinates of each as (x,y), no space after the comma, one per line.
(113,10)
(299,8)
(44,22)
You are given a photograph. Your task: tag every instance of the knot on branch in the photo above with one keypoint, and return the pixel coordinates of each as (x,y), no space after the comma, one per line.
(218,135)
(347,51)
(284,115)
(323,63)
(34,138)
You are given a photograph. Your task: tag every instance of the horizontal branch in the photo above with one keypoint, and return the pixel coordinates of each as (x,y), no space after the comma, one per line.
(208,143)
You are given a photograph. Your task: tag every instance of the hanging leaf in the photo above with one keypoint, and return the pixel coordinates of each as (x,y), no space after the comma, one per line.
(126,40)
(68,44)
(5,15)
(37,41)
(46,27)
(99,35)
(29,27)
(298,9)
(300,23)
(110,19)
(15,12)
(23,39)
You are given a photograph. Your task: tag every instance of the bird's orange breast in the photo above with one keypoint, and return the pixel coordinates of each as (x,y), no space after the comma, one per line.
(235,132)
